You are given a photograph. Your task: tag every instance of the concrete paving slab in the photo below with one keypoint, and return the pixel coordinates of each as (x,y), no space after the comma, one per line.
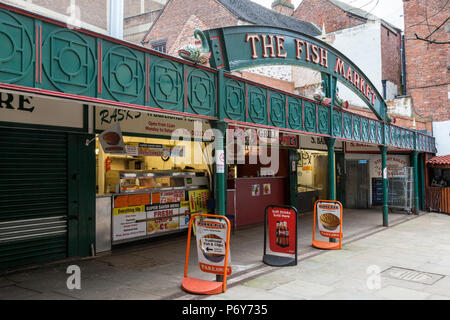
(15,292)
(302,290)
(397,293)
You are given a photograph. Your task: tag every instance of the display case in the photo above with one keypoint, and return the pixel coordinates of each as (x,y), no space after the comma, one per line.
(140,181)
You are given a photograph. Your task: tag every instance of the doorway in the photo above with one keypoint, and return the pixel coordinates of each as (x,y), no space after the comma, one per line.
(357,184)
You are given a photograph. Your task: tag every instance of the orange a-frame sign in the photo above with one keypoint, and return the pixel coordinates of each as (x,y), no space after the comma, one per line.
(200,286)
(328,214)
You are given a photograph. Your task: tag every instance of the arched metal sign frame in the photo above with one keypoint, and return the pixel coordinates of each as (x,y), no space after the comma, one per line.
(240,47)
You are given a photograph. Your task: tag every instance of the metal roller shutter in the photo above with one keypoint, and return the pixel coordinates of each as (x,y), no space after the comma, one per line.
(33,196)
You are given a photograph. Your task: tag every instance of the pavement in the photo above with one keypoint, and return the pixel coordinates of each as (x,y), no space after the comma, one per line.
(369,266)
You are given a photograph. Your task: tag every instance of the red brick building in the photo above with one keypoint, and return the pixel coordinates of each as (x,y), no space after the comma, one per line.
(427,63)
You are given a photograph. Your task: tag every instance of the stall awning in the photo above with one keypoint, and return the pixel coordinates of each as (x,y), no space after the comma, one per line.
(440,160)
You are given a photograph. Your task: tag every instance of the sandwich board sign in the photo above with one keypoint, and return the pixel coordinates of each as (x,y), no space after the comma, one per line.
(213,251)
(280,229)
(328,217)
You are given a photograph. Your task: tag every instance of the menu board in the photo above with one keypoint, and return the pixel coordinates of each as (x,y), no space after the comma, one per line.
(329,217)
(164,217)
(125,225)
(198,200)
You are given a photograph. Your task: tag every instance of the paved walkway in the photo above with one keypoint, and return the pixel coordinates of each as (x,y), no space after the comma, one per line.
(154,270)
(368,269)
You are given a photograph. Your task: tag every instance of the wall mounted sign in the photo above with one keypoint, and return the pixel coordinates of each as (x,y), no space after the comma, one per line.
(242,47)
(40,110)
(280,229)
(132,121)
(111,140)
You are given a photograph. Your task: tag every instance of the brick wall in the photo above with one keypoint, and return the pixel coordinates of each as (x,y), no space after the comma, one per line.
(204,13)
(323,11)
(427,76)
(391,55)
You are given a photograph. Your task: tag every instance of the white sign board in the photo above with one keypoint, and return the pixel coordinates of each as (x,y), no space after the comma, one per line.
(211,245)
(125,225)
(132,121)
(40,110)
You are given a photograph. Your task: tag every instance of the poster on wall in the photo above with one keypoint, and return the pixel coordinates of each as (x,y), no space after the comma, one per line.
(256,190)
(329,218)
(184,219)
(211,236)
(162,216)
(198,200)
(266,189)
(125,225)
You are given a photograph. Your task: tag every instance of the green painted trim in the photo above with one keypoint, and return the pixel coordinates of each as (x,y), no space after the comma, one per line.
(331,170)
(85,117)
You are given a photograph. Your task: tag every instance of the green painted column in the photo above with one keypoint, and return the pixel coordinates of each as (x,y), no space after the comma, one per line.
(331,172)
(416,181)
(293,178)
(422,181)
(385,187)
(220,175)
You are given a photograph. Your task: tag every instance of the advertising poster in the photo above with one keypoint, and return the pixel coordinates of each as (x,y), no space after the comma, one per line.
(184,220)
(163,215)
(125,225)
(329,219)
(171,196)
(266,188)
(256,190)
(198,200)
(211,245)
(281,228)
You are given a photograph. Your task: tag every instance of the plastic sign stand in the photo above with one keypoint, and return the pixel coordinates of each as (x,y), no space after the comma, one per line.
(210,246)
(280,227)
(328,217)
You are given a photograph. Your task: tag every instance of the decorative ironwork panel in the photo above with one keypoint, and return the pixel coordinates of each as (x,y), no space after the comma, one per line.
(310,123)
(387,134)
(399,137)
(16,49)
(295,120)
(257,105)
(372,131)
(337,123)
(201,92)
(166,84)
(379,132)
(277,109)
(234,99)
(365,129)
(324,119)
(348,127)
(123,74)
(69,62)
(356,127)
(393,136)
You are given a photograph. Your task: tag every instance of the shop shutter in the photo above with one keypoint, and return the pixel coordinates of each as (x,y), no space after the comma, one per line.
(33,196)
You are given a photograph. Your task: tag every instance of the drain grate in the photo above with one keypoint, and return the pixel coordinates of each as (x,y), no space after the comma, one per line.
(412,275)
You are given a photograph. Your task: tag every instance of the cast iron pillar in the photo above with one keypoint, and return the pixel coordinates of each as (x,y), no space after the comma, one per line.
(331,172)
(385,191)
(416,181)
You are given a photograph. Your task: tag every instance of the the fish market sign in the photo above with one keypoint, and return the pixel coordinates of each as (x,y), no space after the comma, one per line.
(242,47)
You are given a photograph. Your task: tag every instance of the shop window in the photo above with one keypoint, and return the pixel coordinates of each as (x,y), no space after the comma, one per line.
(440,177)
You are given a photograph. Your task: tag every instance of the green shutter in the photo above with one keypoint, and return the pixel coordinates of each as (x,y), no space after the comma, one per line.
(33,196)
